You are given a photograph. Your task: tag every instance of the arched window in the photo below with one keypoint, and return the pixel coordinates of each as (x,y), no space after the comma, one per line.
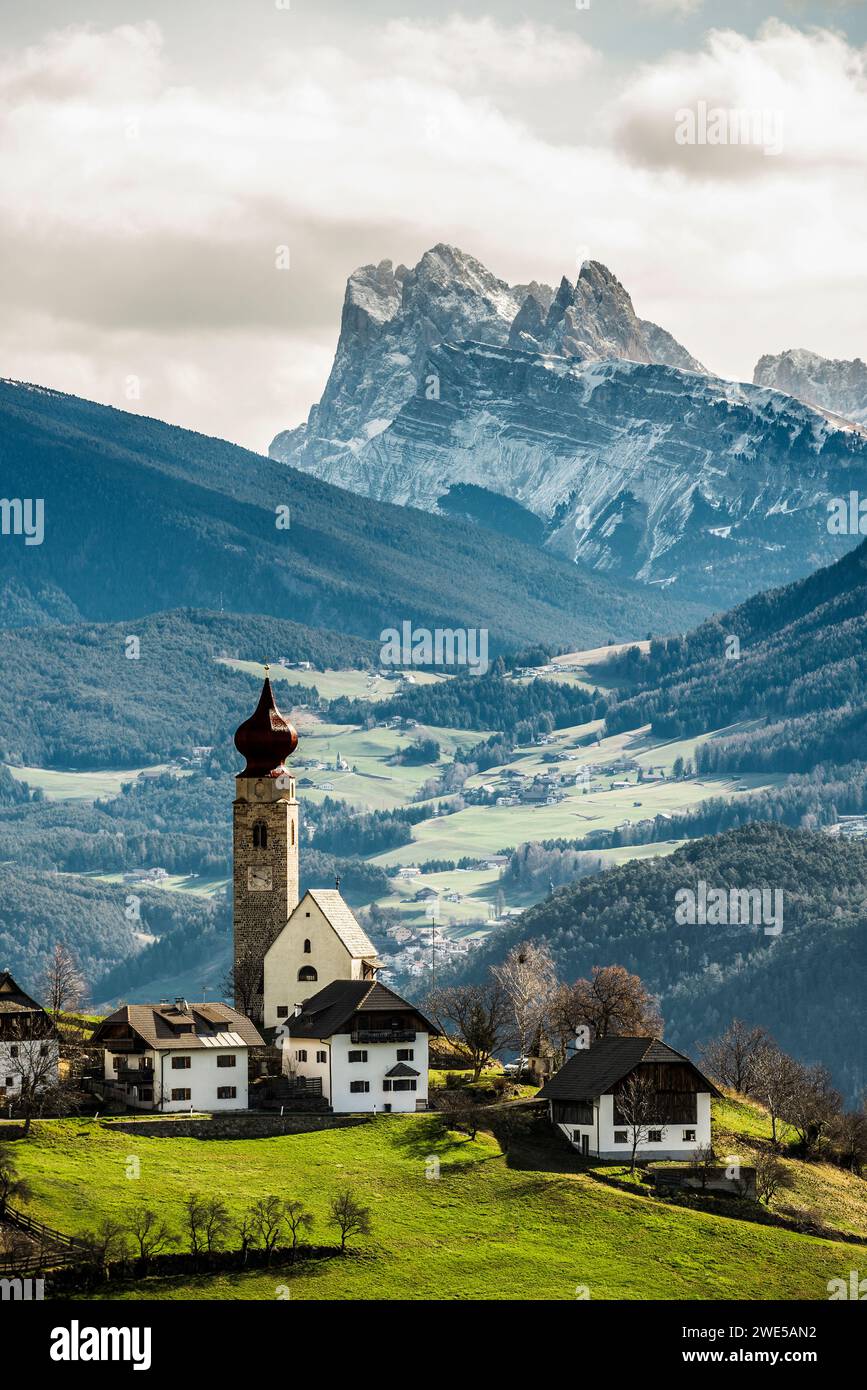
(292,833)
(307,973)
(260,835)
(307,946)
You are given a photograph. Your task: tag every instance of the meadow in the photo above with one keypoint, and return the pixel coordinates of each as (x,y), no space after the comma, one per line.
(452,1218)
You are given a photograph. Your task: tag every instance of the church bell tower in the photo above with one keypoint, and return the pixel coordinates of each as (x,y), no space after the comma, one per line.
(265,845)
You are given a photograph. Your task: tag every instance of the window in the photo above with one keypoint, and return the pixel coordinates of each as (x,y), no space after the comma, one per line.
(654,1136)
(282,1010)
(357,1056)
(301,1055)
(359,1087)
(260,835)
(403,1086)
(689,1136)
(386,1085)
(576,1136)
(292,833)
(226,1093)
(307,973)
(229,1060)
(117,1063)
(307,946)
(10,1081)
(13,1051)
(620,1136)
(147,1095)
(43,1050)
(180,1064)
(182,1093)
(322,1056)
(405,1054)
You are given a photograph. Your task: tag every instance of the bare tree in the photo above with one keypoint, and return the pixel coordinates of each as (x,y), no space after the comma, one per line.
(106,1242)
(297,1218)
(528,977)
(36,1061)
(811,1105)
(773,1075)
(612,1003)
(216,1224)
(243,983)
(150,1233)
(704,1163)
(459,1111)
(636,1104)
(268,1216)
(349,1216)
(732,1058)
(477,1019)
(848,1134)
(62,985)
(246,1234)
(195,1208)
(771,1175)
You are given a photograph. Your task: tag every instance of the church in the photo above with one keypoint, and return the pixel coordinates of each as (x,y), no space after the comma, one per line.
(304,970)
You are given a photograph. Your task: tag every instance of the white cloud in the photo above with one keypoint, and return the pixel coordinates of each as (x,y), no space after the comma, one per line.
(680,7)
(139,217)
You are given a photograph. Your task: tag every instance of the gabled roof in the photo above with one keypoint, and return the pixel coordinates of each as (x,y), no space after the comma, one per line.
(595,1070)
(340,916)
(330,1011)
(167,1026)
(13,1000)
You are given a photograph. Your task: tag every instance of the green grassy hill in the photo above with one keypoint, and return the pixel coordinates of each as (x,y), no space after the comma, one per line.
(488,1227)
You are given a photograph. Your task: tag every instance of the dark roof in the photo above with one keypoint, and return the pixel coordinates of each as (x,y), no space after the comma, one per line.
(331,1010)
(182,1026)
(13,1000)
(595,1070)
(266,738)
(402,1070)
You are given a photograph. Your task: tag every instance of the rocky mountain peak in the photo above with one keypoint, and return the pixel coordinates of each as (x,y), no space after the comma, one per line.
(838,386)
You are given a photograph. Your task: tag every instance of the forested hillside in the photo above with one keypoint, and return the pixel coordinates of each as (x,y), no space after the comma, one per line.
(793,984)
(794,658)
(140,516)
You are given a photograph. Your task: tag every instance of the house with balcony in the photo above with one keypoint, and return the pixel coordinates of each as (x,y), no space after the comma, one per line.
(180,1056)
(360,1046)
(625,1089)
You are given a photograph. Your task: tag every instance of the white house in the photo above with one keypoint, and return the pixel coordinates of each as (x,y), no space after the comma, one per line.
(365,1046)
(173,1057)
(585,1096)
(28,1043)
(321,941)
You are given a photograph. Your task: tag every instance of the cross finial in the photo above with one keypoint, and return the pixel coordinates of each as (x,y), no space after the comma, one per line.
(337,883)
(267,669)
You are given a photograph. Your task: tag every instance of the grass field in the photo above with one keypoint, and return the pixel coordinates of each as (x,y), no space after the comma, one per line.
(80,786)
(335,685)
(486,1228)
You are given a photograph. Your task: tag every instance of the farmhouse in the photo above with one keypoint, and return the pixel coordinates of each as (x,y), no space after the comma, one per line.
(361,1045)
(171,1057)
(592,1100)
(28,1044)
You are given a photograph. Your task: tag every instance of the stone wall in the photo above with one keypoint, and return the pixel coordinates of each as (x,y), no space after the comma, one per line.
(246,1125)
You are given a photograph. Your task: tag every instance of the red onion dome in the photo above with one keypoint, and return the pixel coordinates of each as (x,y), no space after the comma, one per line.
(266,738)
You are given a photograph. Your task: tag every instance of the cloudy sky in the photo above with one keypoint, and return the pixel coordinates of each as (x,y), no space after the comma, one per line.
(154,156)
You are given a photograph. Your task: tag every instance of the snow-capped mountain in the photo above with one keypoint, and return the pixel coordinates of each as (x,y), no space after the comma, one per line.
(636,461)
(391,318)
(838,386)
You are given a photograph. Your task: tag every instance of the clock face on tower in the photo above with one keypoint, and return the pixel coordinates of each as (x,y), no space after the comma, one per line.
(259,878)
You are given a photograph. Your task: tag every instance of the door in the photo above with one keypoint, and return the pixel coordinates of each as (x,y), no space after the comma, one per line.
(585,1145)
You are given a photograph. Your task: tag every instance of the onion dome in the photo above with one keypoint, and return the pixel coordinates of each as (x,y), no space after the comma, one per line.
(266,738)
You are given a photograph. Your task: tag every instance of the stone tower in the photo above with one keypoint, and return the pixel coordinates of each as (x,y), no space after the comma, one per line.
(265,846)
